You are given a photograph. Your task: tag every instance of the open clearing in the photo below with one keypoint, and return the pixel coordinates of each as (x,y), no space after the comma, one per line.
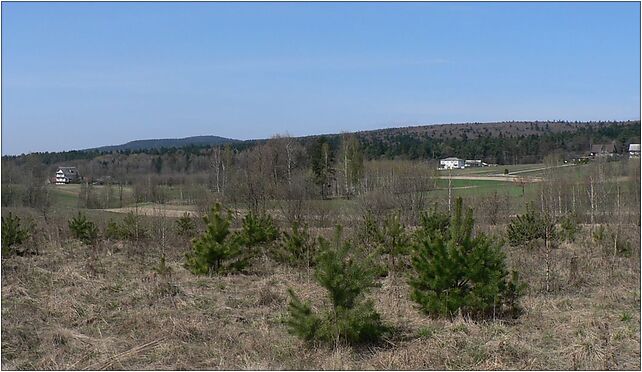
(107,309)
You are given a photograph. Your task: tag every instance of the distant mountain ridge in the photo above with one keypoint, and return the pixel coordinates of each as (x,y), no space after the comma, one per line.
(149,144)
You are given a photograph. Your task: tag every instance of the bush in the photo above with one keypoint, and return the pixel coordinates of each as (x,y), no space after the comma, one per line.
(347,276)
(569,228)
(185,225)
(12,234)
(132,228)
(113,230)
(455,271)
(258,229)
(163,269)
(529,227)
(296,247)
(388,238)
(83,229)
(396,241)
(217,250)
(599,234)
(431,223)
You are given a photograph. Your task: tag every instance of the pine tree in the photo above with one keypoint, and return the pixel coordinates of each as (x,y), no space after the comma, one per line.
(258,229)
(433,222)
(347,276)
(456,271)
(185,225)
(296,247)
(531,227)
(83,229)
(217,250)
(132,228)
(12,233)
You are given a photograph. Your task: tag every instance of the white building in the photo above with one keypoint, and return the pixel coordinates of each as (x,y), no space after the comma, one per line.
(634,150)
(66,175)
(474,163)
(452,163)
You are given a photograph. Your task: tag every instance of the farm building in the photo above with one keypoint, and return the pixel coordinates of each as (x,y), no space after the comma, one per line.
(67,175)
(602,150)
(474,163)
(452,163)
(634,150)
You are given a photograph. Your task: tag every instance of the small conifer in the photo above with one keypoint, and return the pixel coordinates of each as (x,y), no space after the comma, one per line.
(13,233)
(347,275)
(458,272)
(83,229)
(217,250)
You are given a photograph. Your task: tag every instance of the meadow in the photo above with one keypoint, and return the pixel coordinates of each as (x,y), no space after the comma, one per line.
(125,303)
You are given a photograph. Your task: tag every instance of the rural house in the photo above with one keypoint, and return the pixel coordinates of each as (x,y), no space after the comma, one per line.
(67,175)
(452,163)
(474,163)
(602,150)
(634,150)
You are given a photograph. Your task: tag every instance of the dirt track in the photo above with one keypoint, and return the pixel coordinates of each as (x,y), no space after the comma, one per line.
(501,178)
(154,210)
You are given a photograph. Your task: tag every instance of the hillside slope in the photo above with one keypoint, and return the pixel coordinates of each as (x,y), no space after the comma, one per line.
(167,143)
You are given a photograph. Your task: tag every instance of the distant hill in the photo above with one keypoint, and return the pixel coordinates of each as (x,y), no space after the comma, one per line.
(167,143)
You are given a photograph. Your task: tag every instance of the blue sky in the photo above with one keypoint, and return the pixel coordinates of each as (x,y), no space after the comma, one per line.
(79,75)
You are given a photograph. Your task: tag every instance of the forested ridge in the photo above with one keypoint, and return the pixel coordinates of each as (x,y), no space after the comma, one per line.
(502,143)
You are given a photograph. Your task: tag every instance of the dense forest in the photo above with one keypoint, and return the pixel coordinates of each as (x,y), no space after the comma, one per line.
(501,143)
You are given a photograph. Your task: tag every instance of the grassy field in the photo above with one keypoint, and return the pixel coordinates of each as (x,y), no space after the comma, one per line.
(499,170)
(106,308)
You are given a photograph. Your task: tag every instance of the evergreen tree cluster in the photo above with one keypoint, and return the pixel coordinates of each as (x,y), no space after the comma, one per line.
(456,272)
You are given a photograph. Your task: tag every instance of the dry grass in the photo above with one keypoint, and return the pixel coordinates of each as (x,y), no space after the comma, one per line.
(72,307)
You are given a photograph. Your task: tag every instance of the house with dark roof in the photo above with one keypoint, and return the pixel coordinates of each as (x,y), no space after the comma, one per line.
(603,150)
(66,175)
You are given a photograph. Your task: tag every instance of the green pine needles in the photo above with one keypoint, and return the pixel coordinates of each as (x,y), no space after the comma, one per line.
(296,247)
(13,234)
(83,229)
(529,227)
(185,225)
(347,275)
(217,250)
(458,272)
(258,229)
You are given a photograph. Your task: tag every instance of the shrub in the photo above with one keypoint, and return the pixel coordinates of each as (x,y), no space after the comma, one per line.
(132,228)
(185,225)
(163,269)
(529,227)
(296,247)
(217,250)
(83,229)
(455,271)
(347,276)
(432,222)
(258,229)
(389,238)
(599,234)
(13,234)
(396,241)
(113,230)
(569,228)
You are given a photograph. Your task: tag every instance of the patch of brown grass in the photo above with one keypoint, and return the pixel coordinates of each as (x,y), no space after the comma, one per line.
(73,307)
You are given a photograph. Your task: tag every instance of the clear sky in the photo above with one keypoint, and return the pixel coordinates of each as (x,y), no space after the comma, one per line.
(79,75)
